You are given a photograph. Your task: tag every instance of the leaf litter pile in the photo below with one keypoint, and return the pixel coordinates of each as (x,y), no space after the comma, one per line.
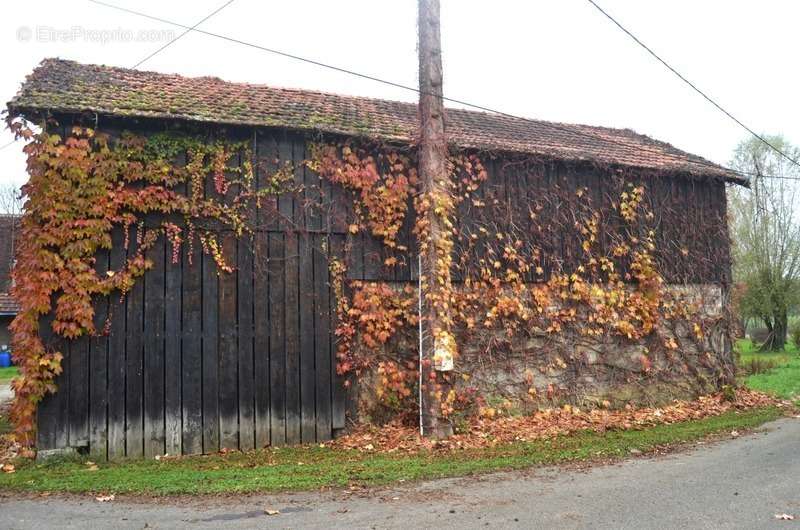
(483,432)
(491,432)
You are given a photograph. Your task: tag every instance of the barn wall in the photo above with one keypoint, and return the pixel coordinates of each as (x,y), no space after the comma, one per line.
(536,369)
(196,361)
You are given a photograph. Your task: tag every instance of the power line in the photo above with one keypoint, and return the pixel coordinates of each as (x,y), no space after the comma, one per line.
(692,85)
(7,145)
(257,46)
(170,43)
(552,125)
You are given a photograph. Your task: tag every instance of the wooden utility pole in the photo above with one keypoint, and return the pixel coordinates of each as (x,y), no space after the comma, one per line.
(437,344)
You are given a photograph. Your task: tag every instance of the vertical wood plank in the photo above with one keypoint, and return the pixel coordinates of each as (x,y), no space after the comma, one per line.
(134,333)
(354,256)
(261,330)
(47,415)
(267,164)
(261,321)
(322,340)
(373,257)
(286,212)
(173,334)
(210,356)
(245,287)
(62,383)
(315,200)
(192,351)
(300,198)
(338,405)
(307,363)
(79,392)
(154,352)
(98,366)
(277,343)
(117,363)
(173,358)
(228,343)
(291,301)
(53,427)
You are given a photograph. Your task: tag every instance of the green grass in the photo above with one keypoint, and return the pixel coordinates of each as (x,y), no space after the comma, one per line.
(746,348)
(782,381)
(781,374)
(307,468)
(7,374)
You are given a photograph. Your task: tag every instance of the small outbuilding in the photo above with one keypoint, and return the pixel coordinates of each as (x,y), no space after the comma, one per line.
(9,227)
(250,257)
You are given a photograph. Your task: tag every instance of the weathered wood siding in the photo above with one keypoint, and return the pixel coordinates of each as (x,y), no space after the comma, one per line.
(196,361)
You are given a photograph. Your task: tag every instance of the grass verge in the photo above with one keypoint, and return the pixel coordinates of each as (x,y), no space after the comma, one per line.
(778,373)
(782,381)
(308,468)
(7,374)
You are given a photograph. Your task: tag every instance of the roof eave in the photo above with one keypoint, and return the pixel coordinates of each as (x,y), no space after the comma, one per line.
(34,113)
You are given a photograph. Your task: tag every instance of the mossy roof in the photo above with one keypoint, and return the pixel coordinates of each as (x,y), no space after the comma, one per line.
(58,85)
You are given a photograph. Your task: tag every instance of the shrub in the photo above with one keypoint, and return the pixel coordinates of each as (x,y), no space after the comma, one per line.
(794,333)
(755,366)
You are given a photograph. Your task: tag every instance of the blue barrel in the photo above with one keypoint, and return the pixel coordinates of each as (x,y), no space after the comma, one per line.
(5,359)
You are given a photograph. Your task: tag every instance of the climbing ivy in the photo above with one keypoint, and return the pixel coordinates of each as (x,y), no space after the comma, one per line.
(84,186)
(615,290)
(81,189)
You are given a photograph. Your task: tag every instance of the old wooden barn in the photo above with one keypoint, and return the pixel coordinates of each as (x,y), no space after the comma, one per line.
(195,360)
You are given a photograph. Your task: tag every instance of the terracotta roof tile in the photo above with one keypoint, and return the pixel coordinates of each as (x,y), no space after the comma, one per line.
(67,86)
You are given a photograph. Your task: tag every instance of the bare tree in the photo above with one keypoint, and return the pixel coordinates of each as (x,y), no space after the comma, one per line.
(10,199)
(11,205)
(766,235)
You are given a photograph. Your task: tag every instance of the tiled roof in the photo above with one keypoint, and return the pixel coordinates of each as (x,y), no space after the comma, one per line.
(66,86)
(8,304)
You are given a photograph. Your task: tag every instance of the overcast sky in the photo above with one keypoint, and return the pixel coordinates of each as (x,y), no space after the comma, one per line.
(557,60)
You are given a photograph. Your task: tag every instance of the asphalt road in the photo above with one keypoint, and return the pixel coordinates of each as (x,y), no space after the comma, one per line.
(739,483)
(5,393)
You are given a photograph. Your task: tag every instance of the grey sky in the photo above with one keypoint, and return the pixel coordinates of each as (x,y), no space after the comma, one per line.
(555,60)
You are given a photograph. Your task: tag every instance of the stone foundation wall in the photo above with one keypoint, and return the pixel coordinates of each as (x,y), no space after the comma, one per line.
(536,369)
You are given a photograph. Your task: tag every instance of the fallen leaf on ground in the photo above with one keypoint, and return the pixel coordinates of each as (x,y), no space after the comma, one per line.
(271,512)
(548,423)
(9,468)
(104,498)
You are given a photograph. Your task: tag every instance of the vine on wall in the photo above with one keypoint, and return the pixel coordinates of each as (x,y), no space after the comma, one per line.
(381,196)
(615,290)
(82,188)
(85,186)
